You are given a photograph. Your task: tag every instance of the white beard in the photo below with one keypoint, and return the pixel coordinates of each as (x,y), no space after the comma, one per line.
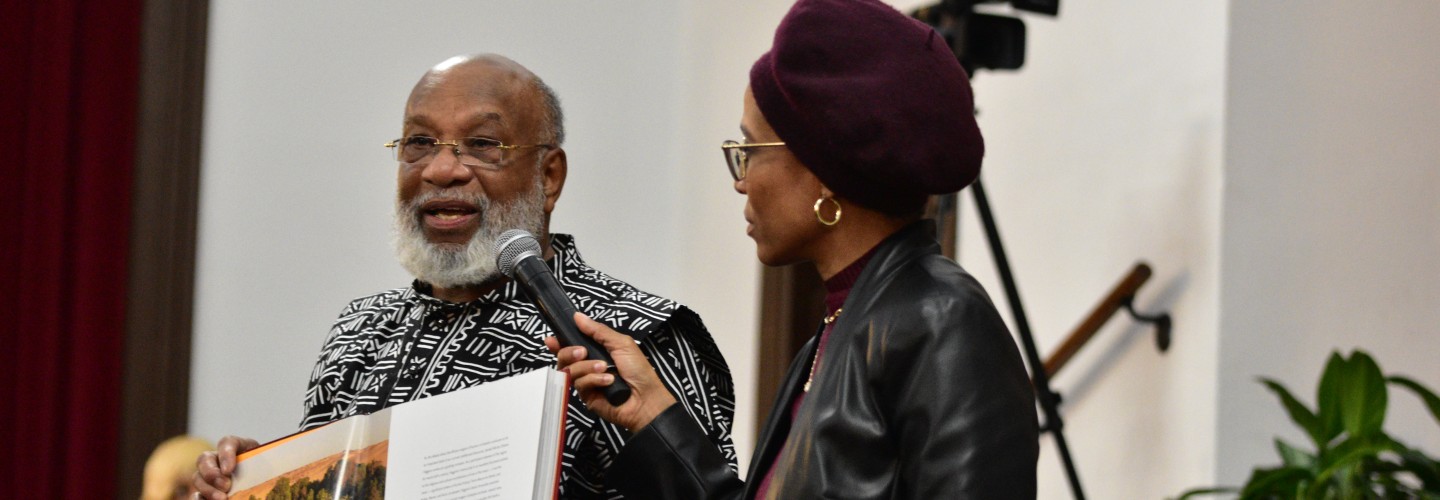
(449,265)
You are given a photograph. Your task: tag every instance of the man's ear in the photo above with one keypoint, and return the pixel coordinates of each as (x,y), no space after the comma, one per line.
(553,169)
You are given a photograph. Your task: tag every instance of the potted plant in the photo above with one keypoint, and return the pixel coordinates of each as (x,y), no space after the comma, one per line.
(1352,456)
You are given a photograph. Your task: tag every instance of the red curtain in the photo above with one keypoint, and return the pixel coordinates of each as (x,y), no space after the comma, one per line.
(69,72)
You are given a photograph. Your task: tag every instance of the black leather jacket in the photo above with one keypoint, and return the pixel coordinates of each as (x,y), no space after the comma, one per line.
(922,395)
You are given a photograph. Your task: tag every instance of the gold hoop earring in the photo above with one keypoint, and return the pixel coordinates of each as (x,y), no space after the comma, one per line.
(821,218)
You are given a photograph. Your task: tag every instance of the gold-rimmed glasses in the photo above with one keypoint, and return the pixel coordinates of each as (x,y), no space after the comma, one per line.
(471,151)
(738,159)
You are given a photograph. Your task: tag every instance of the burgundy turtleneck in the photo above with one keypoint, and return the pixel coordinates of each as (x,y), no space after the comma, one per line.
(837,289)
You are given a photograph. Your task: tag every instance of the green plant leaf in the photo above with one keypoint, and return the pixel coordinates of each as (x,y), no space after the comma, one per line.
(1294,457)
(1206,491)
(1426,469)
(1363,395)
(1354,457)
(1361,447)
(1431,400)
(1298,412)
(1346,461)
(1327,400)
(1281,481)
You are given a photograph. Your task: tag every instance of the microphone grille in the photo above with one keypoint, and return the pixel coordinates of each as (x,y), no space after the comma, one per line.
(511,246)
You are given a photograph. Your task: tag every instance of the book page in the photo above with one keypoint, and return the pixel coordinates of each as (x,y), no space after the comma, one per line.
(552,434)
(479,443)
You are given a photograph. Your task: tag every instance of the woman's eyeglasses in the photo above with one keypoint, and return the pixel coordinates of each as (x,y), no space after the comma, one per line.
(738,159)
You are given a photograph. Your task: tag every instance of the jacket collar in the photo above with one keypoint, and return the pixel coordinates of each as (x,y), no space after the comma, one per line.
(909,243)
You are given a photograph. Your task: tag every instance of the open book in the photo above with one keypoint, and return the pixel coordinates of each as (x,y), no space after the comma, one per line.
(497,440)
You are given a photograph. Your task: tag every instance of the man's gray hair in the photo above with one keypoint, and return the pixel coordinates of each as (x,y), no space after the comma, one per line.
(551,114)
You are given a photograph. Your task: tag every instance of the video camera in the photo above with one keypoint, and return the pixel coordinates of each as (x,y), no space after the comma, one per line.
(983,41)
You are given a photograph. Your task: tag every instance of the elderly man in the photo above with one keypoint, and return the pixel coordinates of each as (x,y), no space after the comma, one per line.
(480,154)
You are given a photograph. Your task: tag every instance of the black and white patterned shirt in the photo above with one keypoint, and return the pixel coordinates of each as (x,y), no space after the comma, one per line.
(405,344)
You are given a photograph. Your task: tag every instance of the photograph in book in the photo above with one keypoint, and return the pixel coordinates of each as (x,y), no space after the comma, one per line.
(364,471)
(345,459)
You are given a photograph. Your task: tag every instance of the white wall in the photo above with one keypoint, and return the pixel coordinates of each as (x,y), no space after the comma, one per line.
(1332,211)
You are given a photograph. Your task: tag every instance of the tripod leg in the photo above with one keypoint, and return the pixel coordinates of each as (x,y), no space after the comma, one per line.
(1049,401)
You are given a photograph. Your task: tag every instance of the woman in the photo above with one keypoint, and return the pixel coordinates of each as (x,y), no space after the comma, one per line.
(912,388)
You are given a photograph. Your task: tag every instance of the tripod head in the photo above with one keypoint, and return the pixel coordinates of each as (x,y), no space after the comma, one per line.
(983,41)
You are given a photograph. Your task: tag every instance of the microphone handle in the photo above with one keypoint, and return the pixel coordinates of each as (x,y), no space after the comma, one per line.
(559,313)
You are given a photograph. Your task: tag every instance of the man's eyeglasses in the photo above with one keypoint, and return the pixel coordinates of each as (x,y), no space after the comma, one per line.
(738,159)
(471,151)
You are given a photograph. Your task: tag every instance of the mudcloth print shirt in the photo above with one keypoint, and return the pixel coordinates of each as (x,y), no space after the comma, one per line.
(405,344)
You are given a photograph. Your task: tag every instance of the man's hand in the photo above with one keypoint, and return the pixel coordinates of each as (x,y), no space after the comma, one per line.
(648,396)
(214,469)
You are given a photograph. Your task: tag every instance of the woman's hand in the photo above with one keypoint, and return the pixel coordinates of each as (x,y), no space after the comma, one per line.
(648,396)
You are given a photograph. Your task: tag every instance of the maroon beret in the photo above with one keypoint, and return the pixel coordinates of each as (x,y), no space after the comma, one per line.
(872,101)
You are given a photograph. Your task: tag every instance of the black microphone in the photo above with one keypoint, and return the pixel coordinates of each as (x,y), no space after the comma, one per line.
(518,256)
